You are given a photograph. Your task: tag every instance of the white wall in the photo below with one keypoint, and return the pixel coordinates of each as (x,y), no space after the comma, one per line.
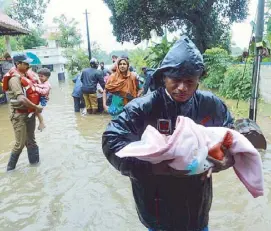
(49,56)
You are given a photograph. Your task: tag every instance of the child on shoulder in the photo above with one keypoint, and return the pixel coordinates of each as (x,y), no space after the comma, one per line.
(43,88)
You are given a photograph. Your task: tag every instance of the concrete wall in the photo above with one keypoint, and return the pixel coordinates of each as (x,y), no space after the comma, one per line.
(49,56)
(265,82)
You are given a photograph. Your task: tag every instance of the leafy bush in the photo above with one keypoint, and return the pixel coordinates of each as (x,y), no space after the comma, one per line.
(216,60)
(158,52)
(77,60)
(237,85)
(266,60)
(137,59)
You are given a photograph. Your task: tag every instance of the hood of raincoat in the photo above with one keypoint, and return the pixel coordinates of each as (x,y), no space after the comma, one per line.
(183,60)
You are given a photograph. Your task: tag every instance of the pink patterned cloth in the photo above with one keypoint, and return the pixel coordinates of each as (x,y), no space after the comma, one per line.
(188,147)
(43,88)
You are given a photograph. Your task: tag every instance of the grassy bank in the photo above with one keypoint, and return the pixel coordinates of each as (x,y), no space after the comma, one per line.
(241,110)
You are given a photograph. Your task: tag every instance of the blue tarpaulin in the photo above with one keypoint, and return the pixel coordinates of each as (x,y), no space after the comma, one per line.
(36,60)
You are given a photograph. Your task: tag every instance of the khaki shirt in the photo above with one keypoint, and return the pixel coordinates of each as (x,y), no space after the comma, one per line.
(14,90)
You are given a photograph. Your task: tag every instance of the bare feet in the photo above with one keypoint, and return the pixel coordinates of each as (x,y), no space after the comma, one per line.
(41,126)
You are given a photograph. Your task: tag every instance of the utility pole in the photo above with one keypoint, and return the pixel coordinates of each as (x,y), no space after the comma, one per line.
(89,46)
(257,61)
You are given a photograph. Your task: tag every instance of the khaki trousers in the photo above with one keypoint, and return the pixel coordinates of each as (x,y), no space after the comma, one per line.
(91,101)
(24,130)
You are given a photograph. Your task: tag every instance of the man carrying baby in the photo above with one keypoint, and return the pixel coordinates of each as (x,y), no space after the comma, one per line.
(167,199)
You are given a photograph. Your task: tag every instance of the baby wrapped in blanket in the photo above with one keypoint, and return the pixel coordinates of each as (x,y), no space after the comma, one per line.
(189,146)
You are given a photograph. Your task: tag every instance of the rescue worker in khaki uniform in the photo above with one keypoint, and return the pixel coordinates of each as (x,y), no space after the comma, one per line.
(23,123)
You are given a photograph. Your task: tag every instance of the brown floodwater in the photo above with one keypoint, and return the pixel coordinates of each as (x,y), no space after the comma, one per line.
(75,188)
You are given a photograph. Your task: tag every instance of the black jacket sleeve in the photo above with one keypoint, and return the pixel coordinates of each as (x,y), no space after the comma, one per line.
(127,128)
(82,76)
(223,115)
(209,105)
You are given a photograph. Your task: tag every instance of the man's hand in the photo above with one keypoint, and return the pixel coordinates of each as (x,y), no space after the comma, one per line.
(27,103)
(227,162)
(163,168)
(39,109)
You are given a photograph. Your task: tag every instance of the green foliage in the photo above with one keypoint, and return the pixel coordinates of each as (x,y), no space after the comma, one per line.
(68,35)
(137,59)
(236,51)
(27,12)
(217,61)
(158,52)
(14,43)
(207,22)
(266,59)
(32,40)
(2,46)
(151,57)
(99,54)
(20,43)
(237,84)
(77,60)
(102,56)
(268,22)
(229,79)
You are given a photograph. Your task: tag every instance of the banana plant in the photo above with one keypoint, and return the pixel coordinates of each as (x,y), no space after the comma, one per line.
(158,52)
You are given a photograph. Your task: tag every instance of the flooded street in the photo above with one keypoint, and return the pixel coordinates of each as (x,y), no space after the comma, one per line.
(75,188)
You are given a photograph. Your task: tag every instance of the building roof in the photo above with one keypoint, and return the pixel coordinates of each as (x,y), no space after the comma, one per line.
(9,26)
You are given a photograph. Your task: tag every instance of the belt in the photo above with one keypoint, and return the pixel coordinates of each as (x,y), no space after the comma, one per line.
(21,110)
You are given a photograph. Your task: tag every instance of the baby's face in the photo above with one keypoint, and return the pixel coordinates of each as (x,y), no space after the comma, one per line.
(43,78)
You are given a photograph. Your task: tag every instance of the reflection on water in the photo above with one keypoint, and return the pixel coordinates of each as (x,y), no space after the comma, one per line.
(74,188)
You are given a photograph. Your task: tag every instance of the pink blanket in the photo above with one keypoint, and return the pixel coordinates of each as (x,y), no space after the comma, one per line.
(189,146)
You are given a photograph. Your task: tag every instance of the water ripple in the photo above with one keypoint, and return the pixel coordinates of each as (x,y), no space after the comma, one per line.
(74,187)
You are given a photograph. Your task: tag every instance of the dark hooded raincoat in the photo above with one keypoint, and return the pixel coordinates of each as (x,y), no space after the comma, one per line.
(166,202)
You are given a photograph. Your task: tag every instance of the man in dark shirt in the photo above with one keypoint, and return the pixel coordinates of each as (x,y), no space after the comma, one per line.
(167,199)
(90,78)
